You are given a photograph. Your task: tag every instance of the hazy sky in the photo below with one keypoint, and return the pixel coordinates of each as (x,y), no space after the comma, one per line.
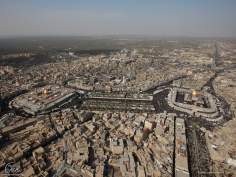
(102,17)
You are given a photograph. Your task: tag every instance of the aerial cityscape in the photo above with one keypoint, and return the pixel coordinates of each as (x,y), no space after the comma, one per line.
(116,105)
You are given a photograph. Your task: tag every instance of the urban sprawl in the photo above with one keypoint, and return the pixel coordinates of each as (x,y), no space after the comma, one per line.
(145,110)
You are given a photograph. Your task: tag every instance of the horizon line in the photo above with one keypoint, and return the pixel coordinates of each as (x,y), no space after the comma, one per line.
(113,35)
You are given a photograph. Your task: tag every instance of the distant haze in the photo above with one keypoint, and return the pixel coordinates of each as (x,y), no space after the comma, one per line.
(194,18)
